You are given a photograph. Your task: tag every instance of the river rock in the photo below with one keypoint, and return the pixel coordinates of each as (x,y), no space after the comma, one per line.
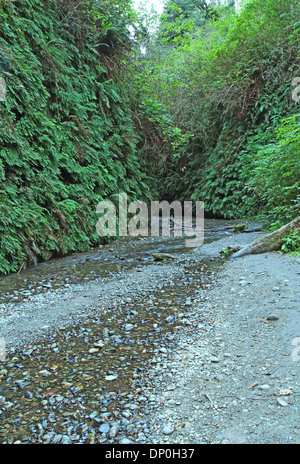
(113,432)
(125,441)
(57,439)
(104,428)
(282,402)
(168,429)
(109,378)
(129,327)
(93,350)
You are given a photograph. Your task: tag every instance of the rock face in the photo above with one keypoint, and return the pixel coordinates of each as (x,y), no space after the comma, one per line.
(271,241)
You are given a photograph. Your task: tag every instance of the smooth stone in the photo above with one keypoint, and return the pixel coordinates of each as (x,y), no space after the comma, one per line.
(168,429)
(111,377)
(66,440)
(104,428)
(125,441)
(113,432)
(47,437)
(281,402)
(93,350)
(57,439)
(93,414)
(129,327)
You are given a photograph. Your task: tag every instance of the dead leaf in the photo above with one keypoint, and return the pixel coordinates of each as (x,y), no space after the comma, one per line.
(285,391)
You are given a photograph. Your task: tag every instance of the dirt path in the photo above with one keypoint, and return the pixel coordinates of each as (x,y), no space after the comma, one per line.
(234,377)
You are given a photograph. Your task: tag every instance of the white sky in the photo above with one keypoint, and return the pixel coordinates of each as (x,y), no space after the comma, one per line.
(157,4)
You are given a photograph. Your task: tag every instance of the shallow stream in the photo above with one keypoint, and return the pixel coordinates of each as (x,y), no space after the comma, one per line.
(74,385)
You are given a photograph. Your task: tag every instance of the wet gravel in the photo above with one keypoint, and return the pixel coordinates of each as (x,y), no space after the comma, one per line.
(234,377)
(175,352)
(72,354)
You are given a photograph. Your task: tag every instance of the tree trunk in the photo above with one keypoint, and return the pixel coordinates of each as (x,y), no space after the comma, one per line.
(270,242)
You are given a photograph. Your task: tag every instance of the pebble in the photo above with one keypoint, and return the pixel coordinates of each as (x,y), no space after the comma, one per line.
(126,441)
(57,439)
(113,432)
(129,327)
(264,387)
(168,429)
(281,402)
(66,440)
(109,378)
(104,428)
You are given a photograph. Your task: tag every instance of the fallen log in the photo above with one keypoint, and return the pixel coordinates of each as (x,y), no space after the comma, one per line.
(233,228)
(219,229)
(162,256)
(254,229)
(270,242)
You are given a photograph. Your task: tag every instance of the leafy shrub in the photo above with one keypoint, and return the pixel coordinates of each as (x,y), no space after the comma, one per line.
(291,243)
(274,168)
(229,84)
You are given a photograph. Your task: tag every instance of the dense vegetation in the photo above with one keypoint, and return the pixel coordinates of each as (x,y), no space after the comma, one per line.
(227,80)
(201,109)
(68,136)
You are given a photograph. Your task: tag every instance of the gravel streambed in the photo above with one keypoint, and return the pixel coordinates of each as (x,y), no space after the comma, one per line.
(72,355)
(186,351)
(234,377)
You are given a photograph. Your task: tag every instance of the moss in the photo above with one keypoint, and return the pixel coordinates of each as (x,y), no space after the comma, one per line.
(239,227)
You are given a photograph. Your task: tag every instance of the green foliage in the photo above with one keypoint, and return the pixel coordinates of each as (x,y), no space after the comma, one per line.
(228,251)
(68,138)
(181,19)
(230,86)
(156,113)
(291,243)
(203,112)
(273,170)
(239,227)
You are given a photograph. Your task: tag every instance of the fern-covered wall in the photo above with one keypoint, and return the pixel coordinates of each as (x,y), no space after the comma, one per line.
(67,137)
(231,86)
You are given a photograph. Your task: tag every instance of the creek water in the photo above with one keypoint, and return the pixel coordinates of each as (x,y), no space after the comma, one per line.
(104,261)
(75,385)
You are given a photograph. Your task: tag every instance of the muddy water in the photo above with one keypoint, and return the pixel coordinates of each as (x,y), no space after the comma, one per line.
(75,385)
